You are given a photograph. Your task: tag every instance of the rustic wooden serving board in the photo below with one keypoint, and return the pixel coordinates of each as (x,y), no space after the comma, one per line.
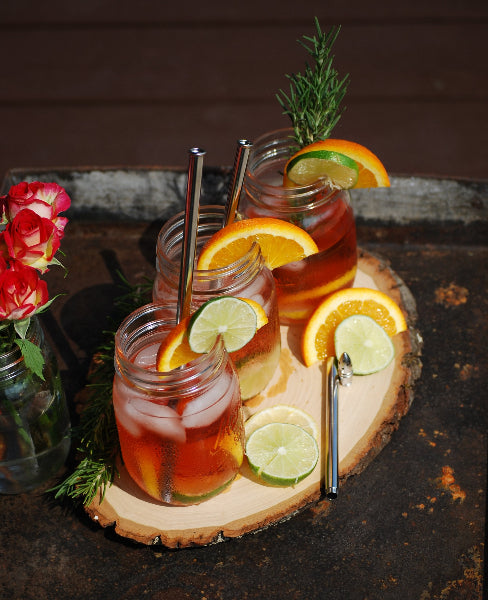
(369,411)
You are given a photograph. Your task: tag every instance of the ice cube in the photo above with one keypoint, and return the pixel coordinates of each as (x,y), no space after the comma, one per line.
(159,419)
(124,411)
(146,357)
(210,405)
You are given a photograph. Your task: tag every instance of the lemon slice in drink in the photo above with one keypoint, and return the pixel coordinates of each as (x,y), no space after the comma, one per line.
(232,318)
(281,413)
(282,453)
(308,167)
(367,343)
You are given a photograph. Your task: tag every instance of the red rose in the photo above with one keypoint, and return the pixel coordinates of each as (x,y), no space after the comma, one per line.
(22,292)
(31,239)
(46,199)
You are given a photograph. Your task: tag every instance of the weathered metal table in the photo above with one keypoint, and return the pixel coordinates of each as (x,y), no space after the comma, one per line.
(412,525)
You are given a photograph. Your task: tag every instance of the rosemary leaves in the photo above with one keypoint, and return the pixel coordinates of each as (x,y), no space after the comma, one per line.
(313,102)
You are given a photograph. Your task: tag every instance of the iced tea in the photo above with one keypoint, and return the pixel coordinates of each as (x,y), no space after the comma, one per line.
(246,278)
(323,211)
(181,432)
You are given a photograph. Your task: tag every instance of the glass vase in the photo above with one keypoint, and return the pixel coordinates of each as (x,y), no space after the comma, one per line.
(34,418)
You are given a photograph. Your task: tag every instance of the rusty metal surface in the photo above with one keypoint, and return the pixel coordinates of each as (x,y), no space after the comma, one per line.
(412,525)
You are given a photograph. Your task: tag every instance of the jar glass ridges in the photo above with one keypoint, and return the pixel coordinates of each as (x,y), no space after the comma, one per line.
(323,211)
(248,277)
(34,419)
(181,432)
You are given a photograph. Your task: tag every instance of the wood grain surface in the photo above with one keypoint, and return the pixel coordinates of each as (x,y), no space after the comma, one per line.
(370,410)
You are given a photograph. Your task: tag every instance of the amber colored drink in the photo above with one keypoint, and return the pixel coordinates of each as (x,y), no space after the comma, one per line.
(181,433)
(248,277)
(324,212)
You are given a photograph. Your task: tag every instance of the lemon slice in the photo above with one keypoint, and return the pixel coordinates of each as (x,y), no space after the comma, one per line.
(308,167)
(281,413)
(232,318)
(367,343)
(281,453)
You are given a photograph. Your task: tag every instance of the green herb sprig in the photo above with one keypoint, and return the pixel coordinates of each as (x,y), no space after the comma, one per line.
(313,102)
(96,434)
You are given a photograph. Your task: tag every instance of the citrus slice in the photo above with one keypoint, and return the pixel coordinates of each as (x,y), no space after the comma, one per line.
(308,167)
(281,413)
(261,317)
(368,345)
(318,335)
(282,453)
(175,349)
(371,171)
(232,318)
(281,243)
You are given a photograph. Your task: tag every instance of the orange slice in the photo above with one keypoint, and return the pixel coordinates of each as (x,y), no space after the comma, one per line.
(318,336)
(371,171)
(175,349)
(281,243)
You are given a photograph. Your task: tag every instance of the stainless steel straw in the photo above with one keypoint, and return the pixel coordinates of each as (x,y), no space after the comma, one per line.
(190,232)
(336,375)
(240,164)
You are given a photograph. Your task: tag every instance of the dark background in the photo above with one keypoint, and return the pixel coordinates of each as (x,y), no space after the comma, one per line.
(112,82)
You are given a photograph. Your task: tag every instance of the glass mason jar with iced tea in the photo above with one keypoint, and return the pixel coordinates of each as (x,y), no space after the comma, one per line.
(322,210)
(180,432)
(248,277)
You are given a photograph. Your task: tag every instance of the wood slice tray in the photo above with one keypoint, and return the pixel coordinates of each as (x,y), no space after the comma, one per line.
(369,412)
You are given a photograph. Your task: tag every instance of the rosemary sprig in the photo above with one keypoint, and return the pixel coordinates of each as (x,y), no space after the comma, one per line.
(96,433)
(313,103)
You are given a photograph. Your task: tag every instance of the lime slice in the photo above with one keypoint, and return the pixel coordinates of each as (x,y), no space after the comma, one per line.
(367,343)
(308,167)
(282,453)
(232,318)
(281,413)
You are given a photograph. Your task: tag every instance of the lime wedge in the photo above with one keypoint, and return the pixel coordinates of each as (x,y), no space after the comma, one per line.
(367,343)
(281,453)
(308,167)
(281,413)
(232,318)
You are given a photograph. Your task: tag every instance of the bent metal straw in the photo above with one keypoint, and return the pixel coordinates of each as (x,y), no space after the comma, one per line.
(190,232)
(336,375)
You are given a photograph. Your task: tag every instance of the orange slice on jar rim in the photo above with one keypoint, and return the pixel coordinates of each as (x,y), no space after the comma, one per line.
(280,242)
(176,349)
(347,164)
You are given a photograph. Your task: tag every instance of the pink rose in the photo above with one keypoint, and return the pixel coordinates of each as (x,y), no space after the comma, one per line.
(22,292)
(46,199)
(31,239)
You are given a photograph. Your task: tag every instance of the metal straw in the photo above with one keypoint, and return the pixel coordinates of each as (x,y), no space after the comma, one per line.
(341,375)
(240,164)
(190,232)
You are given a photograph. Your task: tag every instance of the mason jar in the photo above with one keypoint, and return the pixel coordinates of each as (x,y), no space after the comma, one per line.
(248,277)
(324,211)
(34,418)
(181,432)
